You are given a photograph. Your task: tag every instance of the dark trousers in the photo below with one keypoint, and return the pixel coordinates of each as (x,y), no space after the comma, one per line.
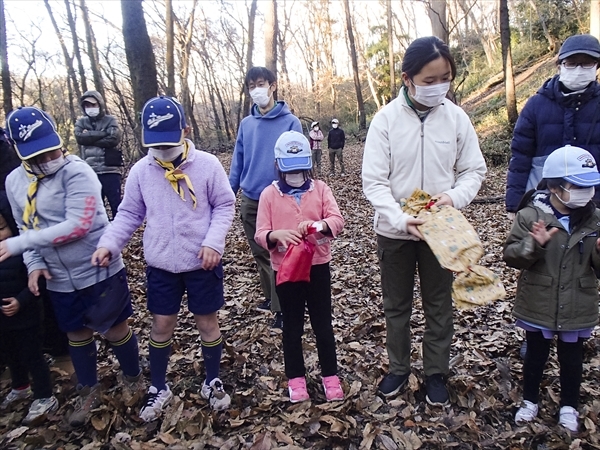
(398,260)
(294,299)
(23,350)
(570,359)
(111,190)
(55,340)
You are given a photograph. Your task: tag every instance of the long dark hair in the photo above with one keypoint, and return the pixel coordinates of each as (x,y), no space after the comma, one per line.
(422,51)
(578,215)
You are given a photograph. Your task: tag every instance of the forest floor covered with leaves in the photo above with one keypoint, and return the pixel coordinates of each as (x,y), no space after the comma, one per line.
(485,364)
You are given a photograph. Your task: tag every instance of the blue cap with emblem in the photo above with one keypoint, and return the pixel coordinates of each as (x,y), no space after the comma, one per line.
(573,164)
(163,122)
(292,152)
(32,132)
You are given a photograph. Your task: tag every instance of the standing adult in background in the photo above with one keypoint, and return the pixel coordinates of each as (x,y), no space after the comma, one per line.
(252,168)
(316,139)
(419,140)
(564,111)
(336,139)
(98,135)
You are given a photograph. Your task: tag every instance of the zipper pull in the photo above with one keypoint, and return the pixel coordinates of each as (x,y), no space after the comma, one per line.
(581,251)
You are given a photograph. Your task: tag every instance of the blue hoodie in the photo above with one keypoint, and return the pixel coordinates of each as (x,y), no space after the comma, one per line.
(253,164)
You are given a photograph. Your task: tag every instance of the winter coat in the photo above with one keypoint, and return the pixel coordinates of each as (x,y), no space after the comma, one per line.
(95,134)
(438,155)
(13,283)
(336,138)
(557,285)
(72,218)
(316,137)
(548,121)
(174,231)
(253,162)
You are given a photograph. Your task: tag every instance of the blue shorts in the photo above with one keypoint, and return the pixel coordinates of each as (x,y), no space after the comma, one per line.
(98,307)
(204,290)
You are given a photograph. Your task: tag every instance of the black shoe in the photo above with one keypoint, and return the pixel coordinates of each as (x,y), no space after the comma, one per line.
(392,383)
(278,322)
(265,306)
(437,394)
(523,350)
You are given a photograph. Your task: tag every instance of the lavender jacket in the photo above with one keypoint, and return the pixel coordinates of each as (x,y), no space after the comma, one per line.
(174,231)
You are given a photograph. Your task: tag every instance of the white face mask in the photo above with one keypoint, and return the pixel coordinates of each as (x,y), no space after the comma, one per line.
(260,96)
(577,78)
(92,112)
(578,198)
(316,128)
(431,96)
(295,179)
(167,155)
(49,167)
(335,125)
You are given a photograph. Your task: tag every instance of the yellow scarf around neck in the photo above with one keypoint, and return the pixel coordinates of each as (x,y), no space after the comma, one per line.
(174,174)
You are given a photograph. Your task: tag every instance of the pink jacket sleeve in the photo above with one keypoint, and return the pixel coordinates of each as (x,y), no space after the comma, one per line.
(264,220)
(331,212)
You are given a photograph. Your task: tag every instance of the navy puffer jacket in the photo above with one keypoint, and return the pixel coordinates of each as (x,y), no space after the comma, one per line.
(548,121)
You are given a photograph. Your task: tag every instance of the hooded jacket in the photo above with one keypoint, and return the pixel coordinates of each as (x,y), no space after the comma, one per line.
(253,163)
(557,285)
(548,121)
(95,134)
(336,138)
(71,218)
(438,155)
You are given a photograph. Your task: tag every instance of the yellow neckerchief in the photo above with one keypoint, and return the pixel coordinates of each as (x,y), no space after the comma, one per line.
(31,220)
(174,174)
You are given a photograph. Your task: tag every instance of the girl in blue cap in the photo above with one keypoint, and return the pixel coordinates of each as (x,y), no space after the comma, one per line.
(554,241)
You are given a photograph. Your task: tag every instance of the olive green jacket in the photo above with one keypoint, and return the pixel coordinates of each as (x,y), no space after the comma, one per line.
(557,285)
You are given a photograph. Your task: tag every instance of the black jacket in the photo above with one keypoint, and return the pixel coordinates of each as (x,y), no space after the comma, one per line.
(13,283)
(336,138)
(8,159)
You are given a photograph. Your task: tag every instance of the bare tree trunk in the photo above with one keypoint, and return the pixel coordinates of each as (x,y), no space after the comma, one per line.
(437,15)
(6,88)
(72,85)
(170,50)
(249,51)
(92,50)
(76,49)
(140,57)
(551,39)
(509,80)
(391,50)
(362,120)
(595,18)
(271,38)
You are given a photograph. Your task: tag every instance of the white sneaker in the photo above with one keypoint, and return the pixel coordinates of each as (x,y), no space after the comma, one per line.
(217,398)
(15,395)
(39,408)
(526,413)
(568,418)
(154,403)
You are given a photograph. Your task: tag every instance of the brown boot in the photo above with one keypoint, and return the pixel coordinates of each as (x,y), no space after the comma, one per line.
(89,399)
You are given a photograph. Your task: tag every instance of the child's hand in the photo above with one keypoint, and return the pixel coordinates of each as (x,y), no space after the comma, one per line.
(442,199)
(4,253)
(286,237)
(210,258)
(101,257)
(11,306)
(541,234)
(34,276)
(303,226)
(598,245)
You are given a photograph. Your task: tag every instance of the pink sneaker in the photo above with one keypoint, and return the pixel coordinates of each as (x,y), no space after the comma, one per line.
(297,388)
(333,389)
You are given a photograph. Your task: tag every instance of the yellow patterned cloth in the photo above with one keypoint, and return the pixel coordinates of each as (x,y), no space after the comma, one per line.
(175,174)
(31,220)
(455,244)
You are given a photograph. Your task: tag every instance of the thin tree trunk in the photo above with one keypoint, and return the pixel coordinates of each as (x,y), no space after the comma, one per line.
(186,35)
(6,88)
(437,15)
(509,80)
(76,49)
(92,50)
(249,52)
(595,18)
(170,50)
(362,120)
(391,50)
(73,85)
(271,38)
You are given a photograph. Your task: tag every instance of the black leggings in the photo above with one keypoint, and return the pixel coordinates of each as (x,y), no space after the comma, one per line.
(570,359)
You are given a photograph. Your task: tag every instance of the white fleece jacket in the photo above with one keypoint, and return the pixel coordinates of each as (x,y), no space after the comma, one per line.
(439,155)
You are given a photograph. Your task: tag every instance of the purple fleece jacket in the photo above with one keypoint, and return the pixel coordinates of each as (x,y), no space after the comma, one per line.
(174,231)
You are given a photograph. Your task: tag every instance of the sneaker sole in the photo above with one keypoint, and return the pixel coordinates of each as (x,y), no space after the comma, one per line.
(446,403)
(394,392)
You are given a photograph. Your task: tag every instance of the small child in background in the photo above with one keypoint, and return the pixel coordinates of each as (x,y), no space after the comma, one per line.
(554,241)
(20,330)
(286,210)
(185,197)
(316,139)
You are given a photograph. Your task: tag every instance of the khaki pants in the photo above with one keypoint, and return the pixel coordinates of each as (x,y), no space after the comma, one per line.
(398,260)
(248,212)
(333,152)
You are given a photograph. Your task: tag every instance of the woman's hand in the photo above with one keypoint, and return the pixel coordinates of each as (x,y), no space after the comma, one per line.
(541,234)
(442,199)
(286,237)
(411,226)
